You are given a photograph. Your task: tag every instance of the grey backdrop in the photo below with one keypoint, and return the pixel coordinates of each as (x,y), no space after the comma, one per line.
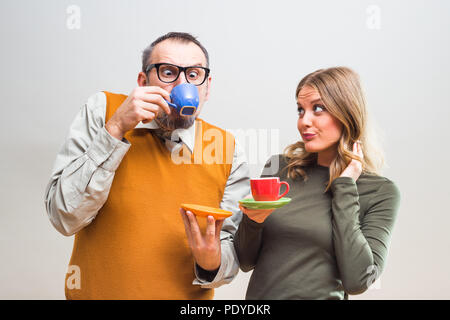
(259,51)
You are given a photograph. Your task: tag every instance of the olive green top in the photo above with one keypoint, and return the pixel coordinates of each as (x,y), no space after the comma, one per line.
(320,245)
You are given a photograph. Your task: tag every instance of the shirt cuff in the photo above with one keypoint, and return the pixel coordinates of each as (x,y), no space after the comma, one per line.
(229,268)
(342,183)
(107,151)
(205,275)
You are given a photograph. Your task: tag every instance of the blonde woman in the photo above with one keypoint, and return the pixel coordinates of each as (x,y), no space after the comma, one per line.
(332,239)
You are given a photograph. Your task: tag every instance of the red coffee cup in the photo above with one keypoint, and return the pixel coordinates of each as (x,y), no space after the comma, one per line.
(267,189)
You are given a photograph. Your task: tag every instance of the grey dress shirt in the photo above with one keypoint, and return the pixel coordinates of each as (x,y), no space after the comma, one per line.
(84,170)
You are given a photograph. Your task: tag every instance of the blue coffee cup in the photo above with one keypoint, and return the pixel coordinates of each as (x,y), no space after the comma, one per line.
(184,99)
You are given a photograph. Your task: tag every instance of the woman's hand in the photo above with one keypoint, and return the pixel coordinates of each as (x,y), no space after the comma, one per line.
(354,168)
(257,215)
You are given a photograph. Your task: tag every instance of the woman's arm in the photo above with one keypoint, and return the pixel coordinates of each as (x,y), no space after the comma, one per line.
(248,238)
(361,247)
(247,242)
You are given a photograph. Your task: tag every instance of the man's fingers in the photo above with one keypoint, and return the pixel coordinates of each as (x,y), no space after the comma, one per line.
(154,101)
(147,112)
(195,229)
(148,106)
(155,89)
(152,94)
(187,226)
(219,224)
(210,229)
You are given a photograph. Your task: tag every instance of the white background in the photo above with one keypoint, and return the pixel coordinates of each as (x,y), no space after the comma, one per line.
(259,51)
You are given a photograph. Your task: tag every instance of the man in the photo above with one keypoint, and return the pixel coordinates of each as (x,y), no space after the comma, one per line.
(118,184)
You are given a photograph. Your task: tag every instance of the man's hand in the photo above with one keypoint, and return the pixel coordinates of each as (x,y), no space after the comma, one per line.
(205,248)
(143,104)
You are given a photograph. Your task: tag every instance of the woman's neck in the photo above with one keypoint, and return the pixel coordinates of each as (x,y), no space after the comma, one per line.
(326,157)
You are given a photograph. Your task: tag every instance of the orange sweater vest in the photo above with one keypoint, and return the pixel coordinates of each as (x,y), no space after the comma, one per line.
(136,247)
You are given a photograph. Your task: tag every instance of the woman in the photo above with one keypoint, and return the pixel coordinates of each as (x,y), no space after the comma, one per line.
(332,239)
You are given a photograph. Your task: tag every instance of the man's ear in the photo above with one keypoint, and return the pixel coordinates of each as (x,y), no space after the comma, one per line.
(208,87)
(142,79)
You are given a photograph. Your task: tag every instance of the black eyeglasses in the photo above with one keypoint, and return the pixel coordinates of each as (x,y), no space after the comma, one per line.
(169,73)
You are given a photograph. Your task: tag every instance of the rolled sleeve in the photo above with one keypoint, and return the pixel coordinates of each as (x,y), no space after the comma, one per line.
(107,151)
(84,169)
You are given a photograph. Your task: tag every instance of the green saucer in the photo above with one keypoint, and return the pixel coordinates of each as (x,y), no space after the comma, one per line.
(250,203)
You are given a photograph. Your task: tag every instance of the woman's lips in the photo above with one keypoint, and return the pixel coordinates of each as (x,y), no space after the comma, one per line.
(308,136)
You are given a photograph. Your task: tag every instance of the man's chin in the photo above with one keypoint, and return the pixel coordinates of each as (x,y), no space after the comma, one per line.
(167,124)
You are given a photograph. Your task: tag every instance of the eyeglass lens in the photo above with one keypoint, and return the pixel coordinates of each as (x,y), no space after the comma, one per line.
(169,73)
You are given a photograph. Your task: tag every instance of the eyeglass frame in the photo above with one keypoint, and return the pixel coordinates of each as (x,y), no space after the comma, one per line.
(180,70)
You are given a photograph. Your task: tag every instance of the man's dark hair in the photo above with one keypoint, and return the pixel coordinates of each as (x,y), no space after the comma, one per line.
(179,36)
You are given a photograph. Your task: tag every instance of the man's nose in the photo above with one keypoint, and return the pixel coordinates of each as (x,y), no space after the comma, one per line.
(181,78)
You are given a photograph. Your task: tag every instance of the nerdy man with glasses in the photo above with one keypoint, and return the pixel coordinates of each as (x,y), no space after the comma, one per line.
(116,187)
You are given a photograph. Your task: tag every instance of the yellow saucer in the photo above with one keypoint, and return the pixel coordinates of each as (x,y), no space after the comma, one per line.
(204,211)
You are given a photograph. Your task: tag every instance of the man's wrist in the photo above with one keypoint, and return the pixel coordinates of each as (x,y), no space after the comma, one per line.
(114,130)
(210,267)
(207,275)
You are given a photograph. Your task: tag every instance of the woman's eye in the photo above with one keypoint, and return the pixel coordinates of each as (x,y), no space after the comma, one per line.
(301,111)
(319,108)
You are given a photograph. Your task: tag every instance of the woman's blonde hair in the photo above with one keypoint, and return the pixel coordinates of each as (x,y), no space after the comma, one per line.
(341,92)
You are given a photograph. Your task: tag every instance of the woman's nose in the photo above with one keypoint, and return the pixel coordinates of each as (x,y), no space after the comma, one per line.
(307,119)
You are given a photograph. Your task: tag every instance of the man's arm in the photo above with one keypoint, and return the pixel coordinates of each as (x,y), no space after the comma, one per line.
(237,187)
(84,169)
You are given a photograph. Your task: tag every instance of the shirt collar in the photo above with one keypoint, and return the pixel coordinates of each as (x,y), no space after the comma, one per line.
(187,136)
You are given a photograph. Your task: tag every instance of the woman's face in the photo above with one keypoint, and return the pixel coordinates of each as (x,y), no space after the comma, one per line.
(320,130)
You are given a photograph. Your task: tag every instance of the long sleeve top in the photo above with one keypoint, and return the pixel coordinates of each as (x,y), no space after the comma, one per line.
(322,245)
(84,170)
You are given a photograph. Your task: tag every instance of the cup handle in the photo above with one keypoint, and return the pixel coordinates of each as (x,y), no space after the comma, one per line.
(287,189)
(173,105)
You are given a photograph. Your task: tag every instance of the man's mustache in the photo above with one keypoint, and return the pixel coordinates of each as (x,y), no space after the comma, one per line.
(170,122)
